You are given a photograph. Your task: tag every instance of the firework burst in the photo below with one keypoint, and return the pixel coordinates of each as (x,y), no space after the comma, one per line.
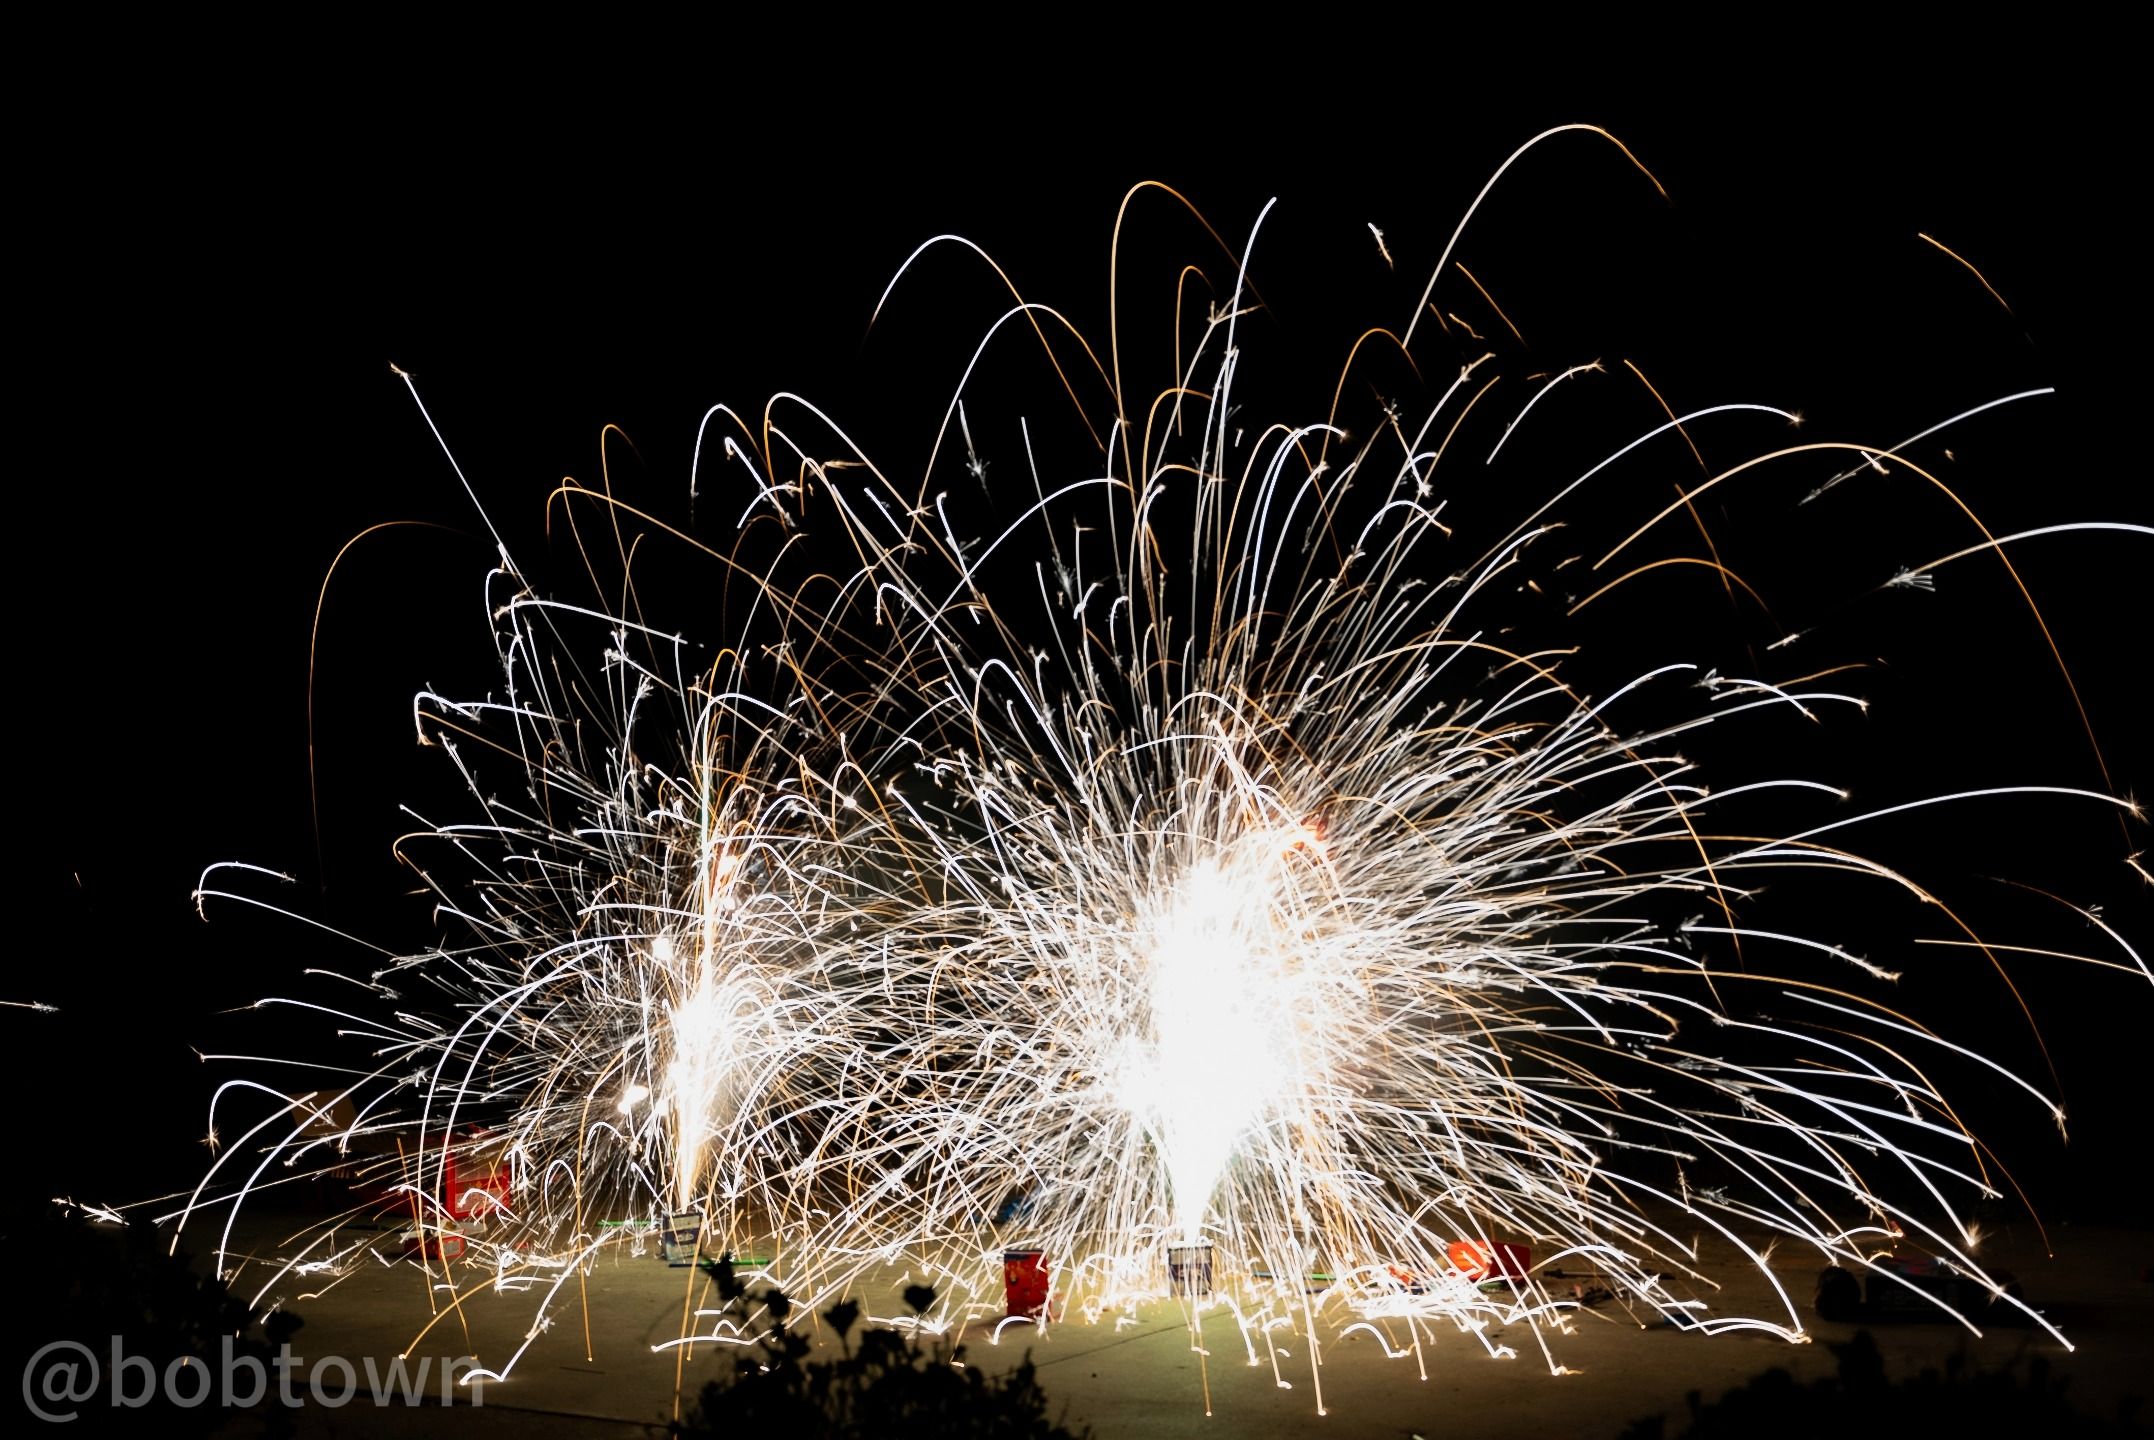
(1210,857)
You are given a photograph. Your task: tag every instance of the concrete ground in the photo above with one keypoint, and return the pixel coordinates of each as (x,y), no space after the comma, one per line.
(1148,1380)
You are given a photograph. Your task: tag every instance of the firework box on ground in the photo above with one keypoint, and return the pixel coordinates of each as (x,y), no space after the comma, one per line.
(679,1237)
(1189,1269)
(1481,1260)
(1024,1282)
(475,1183)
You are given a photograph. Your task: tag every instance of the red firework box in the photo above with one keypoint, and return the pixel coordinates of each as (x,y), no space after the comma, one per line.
(1025,1283)
(1481,1260)
(475,1183)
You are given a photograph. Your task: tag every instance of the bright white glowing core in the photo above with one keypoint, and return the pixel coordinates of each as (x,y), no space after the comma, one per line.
(1236,990)
(702,1031)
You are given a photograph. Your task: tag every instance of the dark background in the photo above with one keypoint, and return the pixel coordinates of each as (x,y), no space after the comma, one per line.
(218,300)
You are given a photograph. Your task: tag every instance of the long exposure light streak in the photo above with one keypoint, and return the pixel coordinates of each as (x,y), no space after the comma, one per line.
(1208,854)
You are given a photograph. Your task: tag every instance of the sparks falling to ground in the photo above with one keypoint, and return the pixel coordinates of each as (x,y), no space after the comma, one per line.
(1228,846)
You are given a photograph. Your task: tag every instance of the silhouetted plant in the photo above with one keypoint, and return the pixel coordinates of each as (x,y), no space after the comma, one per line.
(879,1384)
(104,1287)
(1959,1401)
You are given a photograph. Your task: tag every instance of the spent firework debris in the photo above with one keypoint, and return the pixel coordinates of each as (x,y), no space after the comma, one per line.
(1156,829)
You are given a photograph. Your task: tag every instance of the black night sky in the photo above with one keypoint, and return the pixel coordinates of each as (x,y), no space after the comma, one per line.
(221,302)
